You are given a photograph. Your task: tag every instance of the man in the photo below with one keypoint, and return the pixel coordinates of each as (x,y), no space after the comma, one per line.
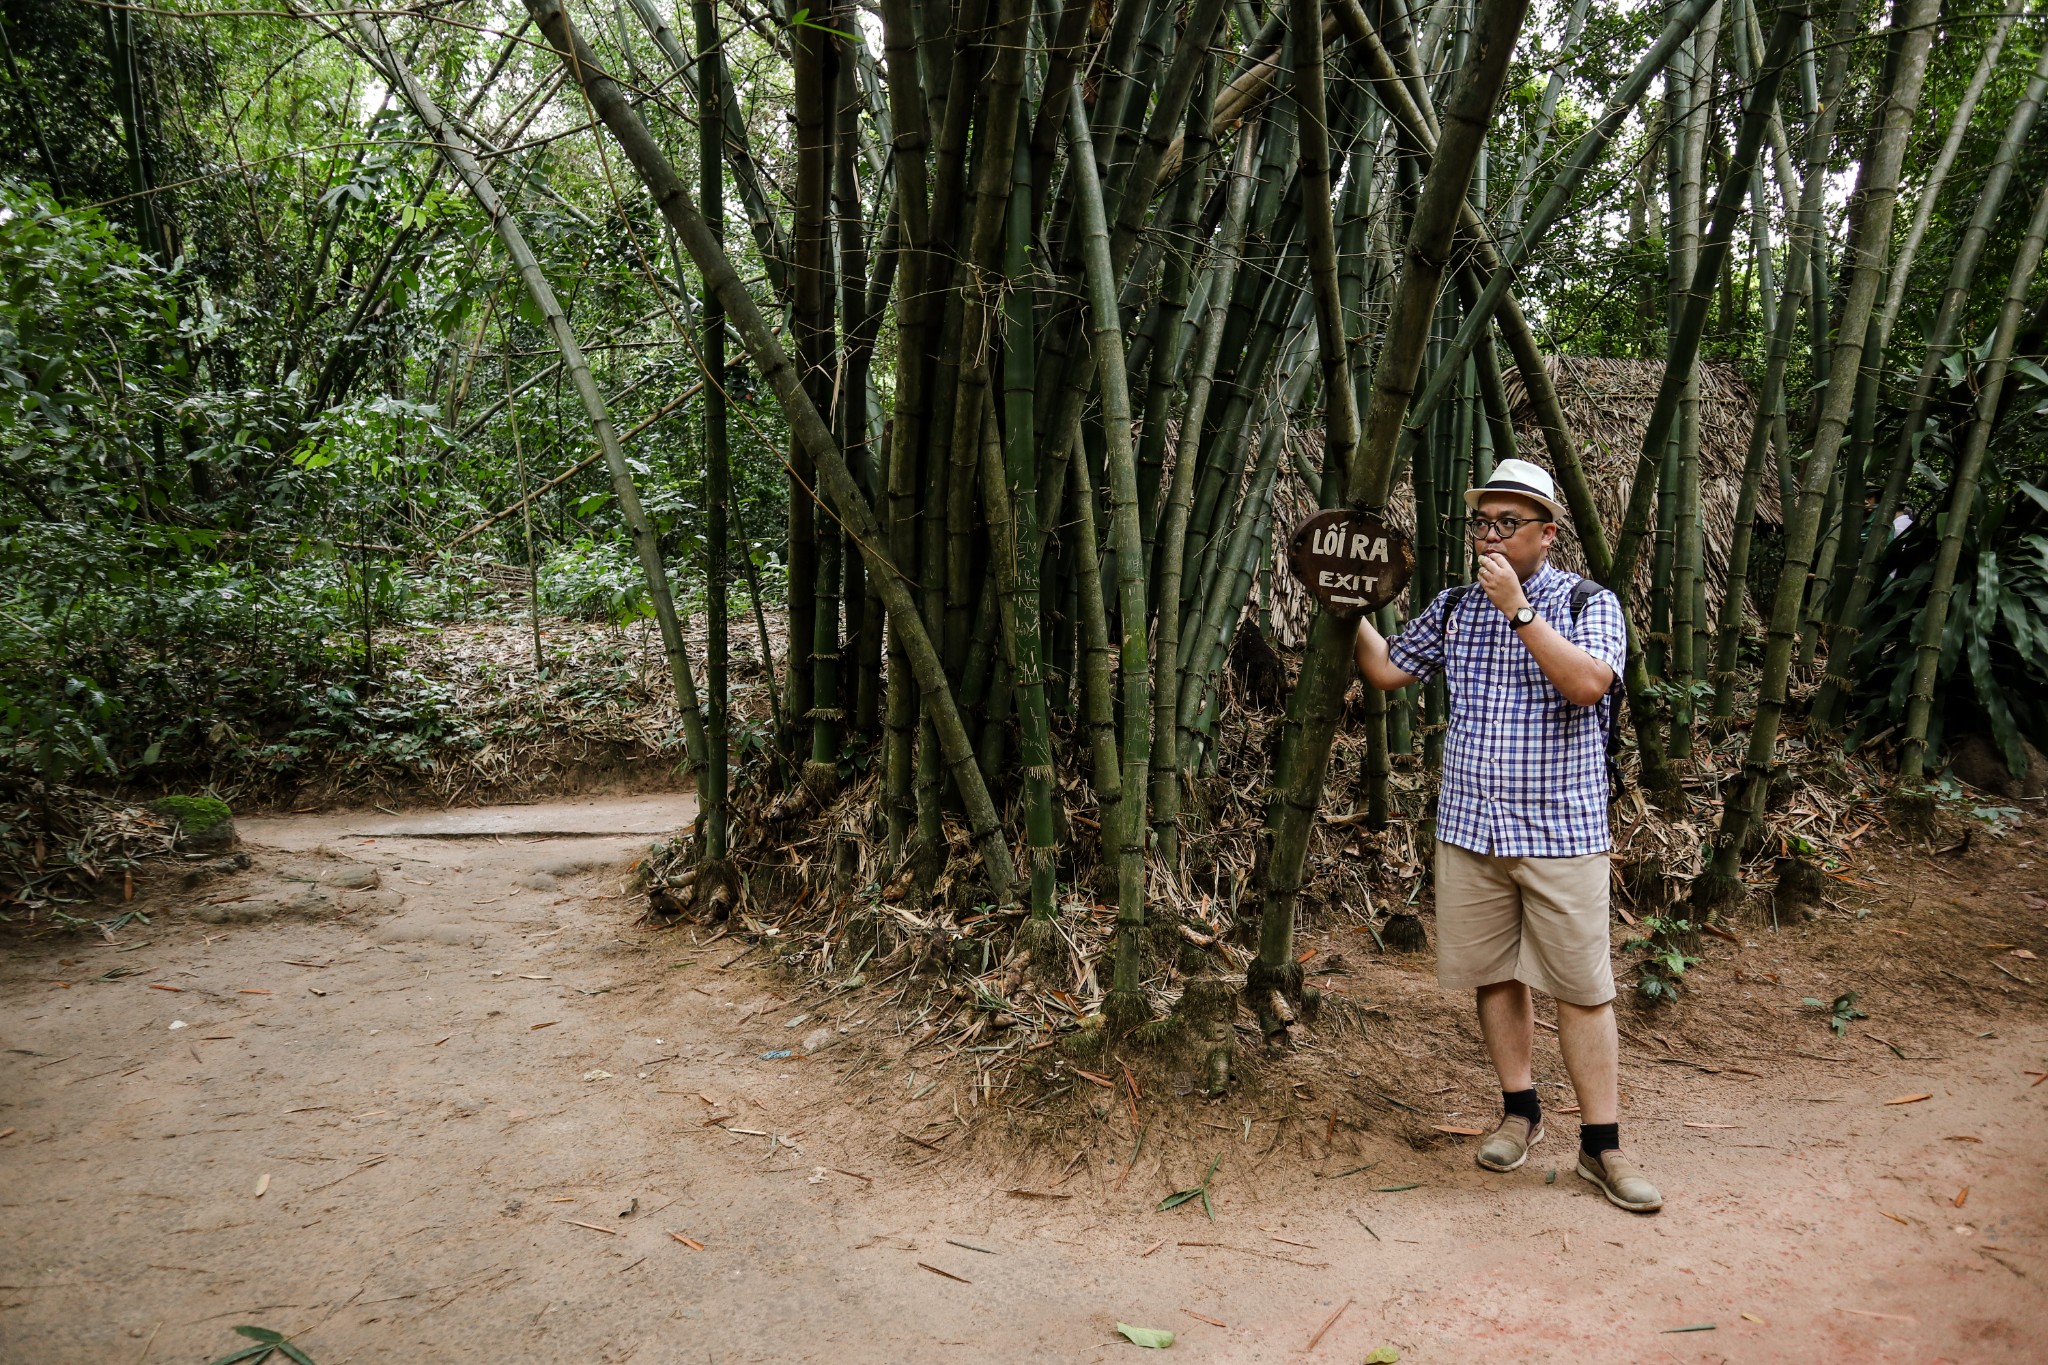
(1521,829)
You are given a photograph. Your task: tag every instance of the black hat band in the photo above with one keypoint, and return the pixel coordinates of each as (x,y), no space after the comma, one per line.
(1510,486)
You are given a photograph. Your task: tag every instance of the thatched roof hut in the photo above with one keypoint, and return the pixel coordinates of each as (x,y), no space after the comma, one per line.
(1608,404)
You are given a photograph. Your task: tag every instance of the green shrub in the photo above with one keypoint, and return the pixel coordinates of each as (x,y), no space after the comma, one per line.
(1993,670)
(594,582)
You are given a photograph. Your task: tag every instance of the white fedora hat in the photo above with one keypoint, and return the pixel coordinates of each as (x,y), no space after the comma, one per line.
(1524,480)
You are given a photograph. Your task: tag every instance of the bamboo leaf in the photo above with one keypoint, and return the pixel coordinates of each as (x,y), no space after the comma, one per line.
(2029,369)
(1152,1338)
(247,1353)
(2004,728)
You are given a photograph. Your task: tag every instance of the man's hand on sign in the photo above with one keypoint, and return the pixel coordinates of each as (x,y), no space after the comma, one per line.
(1503,586)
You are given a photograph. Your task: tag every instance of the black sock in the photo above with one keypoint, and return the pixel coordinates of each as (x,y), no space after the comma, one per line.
(1595,1138)
(1522,1104)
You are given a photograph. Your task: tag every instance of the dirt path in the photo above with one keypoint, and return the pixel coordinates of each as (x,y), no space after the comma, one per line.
(463,1108)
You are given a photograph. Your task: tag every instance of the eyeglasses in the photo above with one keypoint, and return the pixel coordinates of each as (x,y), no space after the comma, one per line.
(1503,528)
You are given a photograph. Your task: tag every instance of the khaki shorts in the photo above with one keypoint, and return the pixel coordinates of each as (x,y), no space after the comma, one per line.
(1540,921)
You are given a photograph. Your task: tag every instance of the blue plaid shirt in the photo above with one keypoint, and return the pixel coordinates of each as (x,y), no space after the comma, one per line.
(1525,771)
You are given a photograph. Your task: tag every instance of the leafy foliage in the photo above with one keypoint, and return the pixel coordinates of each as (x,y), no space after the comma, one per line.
(1841,1011)
(1666,957)
(594,582)
(1993,669)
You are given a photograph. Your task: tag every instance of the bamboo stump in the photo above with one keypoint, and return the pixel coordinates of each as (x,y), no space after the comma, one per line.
(1403,933)
(1912,811)
(1799,890)
(1201,1031)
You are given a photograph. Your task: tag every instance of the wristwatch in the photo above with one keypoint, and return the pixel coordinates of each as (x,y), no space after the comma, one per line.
(1522,617)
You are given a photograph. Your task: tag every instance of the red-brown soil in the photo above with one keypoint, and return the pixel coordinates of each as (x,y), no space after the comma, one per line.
(483,1101)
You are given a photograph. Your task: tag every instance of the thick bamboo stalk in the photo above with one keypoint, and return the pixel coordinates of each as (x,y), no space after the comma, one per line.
(1937,174)
(1161,345)
(1864,260)
(905,433)
(1020,484)
(1154,362)
(1546,118)
(526,520)
(1173,529)
(1098,699)
(1230,587)
(1220,600)
(1768,418)
(1340,402)
(1224,453)
(646,543)
(975,301)
(1843,518)
(1686,547)
(950,479)
(1317,700)
(1656,773)
(1963,497)
(868,639)
(714,791)
(1125,1005)
(1848,630)
(1062,57)
(608,100)
(1657,639)
(1134,197)
(1259,75)
(813,548)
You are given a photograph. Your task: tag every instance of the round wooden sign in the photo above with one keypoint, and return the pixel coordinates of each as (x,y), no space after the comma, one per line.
(1352,561)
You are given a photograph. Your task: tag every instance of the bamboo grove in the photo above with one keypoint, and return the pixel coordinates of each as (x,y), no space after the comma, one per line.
(1051,302)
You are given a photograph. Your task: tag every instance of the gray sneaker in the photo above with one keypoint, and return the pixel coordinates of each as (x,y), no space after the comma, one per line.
(1507,1146)
(1624,1185)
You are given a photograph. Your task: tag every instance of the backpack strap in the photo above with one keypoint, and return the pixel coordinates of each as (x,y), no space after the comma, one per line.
(1453,595)
(1584,591)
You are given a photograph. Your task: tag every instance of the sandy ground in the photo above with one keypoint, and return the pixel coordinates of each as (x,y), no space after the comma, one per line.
(437,1096)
